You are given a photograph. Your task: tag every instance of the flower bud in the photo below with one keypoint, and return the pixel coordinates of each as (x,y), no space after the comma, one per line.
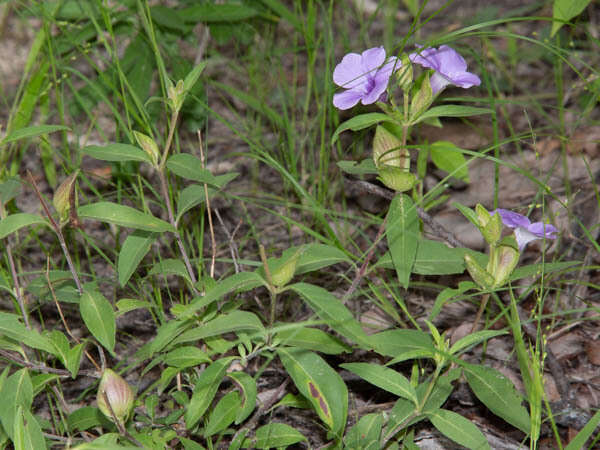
(176,95)
(283,270)
(505,258)
(63,197)
(388,150)
(117,392)
(489,225)
(480,276)
(404,74)
(396,178)
(148,145)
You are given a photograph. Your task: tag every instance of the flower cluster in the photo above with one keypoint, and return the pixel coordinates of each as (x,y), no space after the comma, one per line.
(365,77)
(525,231)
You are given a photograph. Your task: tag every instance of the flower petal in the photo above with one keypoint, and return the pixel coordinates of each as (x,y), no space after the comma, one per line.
(372,59)
(542,230)
(347,99)
(465,80)
(524,237)
(349,72)
(450,60)
(426,57)
(438,82)
(512,219)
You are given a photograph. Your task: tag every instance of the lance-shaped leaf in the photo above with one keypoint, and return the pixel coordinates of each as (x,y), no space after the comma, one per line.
(15,222)
(99,317)
(124,216)
(320,384)
(385,378)
(402,231)
(329,308)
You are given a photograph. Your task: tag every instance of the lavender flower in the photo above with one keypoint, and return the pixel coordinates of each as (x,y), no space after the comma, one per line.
(365,77)
(525,231)
(449,66)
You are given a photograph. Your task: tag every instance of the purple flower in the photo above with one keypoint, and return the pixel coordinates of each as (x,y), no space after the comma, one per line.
(365,77)
(449,66)
(525,231)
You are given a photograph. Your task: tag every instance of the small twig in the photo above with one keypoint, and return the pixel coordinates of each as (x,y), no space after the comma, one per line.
(118,423)
(62,317)
(423,215)
(59,234)
(363,269)
(262,409)
(186,259)
(482,305)
(235,256)
(208,211)
(18,292)
(45,369)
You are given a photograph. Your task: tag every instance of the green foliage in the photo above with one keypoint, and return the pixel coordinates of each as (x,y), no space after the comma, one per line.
(182,303)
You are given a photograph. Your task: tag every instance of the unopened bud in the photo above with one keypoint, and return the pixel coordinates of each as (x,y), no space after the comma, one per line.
(480,276)
(284,269)
(505,258)
(63,197)
(148,145)
(490,225)
(116,392)
(396,178)
(176,95)
(404,74)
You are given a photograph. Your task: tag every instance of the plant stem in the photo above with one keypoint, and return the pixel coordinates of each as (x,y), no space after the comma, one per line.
(59,234)
(483,304)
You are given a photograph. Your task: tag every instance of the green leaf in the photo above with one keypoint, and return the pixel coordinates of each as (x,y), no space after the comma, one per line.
(224,323)
(360,122)
(84,418)
(186,356)
(247,386)
(189,197)
(365,435)
(312,339)
(70,358)
(17,391)
(329,308)
(223,414)
(403,344)
(384,378)
(536,270)
(499,394)
(402,232)
(133,250)
(452,111)
(11,327)
(459,429)
(192,77)
(274,435)
(117,152)
(29,132)
(365,167)
(99,317)
(194,194)
(243,281)
(27,433)
(578,442)
(124,216)
(190,167)
(565,10)
(15,222)
(170,267)
(433,258)
(474,338)
(448,157)
(317,256)
(320,384)
(204,391)
(126,305)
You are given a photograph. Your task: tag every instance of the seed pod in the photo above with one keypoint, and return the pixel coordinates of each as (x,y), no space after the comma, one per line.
(117,392)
